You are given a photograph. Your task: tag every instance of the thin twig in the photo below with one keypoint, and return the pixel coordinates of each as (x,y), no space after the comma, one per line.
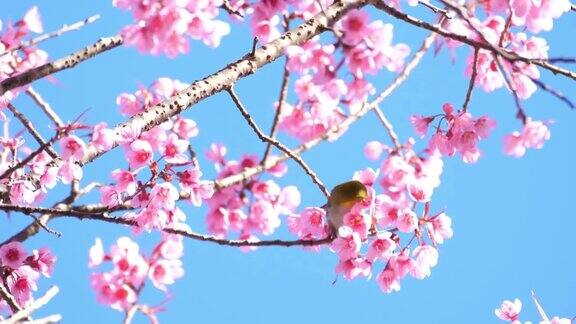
(37,304)
(562,60)
(506,54)
(539,308)
(66,62)
(45,106)
(129,314)
(281,97)
(520,114)
(45,227)
(472,81)
(228,7)
(554,92)
(51,319)
(9,299)
(56,33)
(276,143)
(390,129)
(254,44)
(32,130)
(29,158)
(435,9)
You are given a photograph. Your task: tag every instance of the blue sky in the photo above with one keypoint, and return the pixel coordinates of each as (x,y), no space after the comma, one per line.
(512,218)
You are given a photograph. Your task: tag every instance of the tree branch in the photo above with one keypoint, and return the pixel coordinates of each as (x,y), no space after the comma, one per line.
(66,62)
(9,299)
(281,98)
(45,106)
(554,92)
(32,130)
(506,54)
(472,81)
(64,29)
(33,228)
(37,304)
(227,76)
(390,129)
(276,143)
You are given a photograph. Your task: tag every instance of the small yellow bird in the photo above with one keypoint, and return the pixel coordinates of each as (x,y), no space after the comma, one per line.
(342,198)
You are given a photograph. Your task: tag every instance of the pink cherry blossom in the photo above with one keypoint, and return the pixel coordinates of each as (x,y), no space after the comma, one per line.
(402,263)
(96,253)
(128,104)
(263,218)
(359,222)
(139,153)
(373,150)
(165,272)
(381,248)
(421,124)
(32,20)
(126,181)
(102,138)
(72,148)
(42,260)
(69,171)
(347,244)
(23,192)
(462,135)
(388,281)
(407,221)
(12,255)
(152,218)
(426,257)
(353,268)
(354,26)
(558,320)
(173,149)
(164,196)
(440,228)
(311,222)
(197,189)
(367,177)
(533,135)
(509,311)
(163,26)
(22,283)
(216,153)
(110,196)
(185,128)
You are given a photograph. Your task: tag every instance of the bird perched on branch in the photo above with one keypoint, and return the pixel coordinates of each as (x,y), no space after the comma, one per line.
(342,198)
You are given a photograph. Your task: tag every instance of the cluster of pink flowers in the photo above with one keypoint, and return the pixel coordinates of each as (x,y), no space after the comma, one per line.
(163,26)
(120,287)
(532,135)
(15,62)
(368,45)
(20,271)
(537,16)
(252,207)
(489,73)
(461,135)
(372,229)
(366,48)
(509,311)
(28,187)
(170,140)
(267,15)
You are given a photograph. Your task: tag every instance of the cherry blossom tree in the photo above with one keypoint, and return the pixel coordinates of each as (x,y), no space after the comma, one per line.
(333,51)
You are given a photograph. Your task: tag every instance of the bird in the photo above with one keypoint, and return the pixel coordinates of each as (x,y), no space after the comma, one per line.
(341,200)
